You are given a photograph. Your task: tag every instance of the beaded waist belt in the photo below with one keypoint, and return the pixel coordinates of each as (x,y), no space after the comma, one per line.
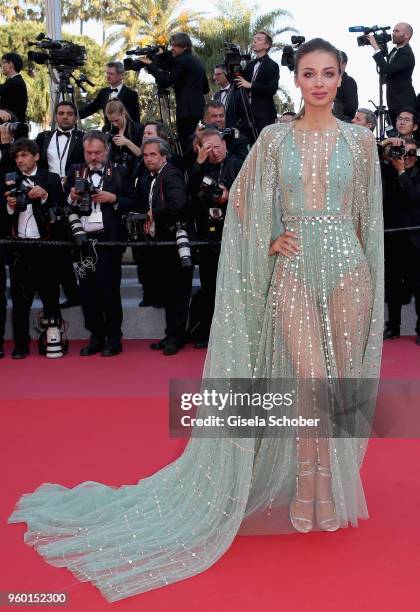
(326,218)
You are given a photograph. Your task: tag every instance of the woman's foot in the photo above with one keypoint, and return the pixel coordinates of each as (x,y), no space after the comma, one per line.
(326,514)
(302,507)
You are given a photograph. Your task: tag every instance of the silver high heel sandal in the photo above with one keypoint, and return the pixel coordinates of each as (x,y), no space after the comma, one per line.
(301,523)
(327,524)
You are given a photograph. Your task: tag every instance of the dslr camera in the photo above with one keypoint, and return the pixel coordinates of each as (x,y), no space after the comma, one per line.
(17,129)
(17,189)
(57,52)
(158,53)
(85,188)
(210,188)
(289,52)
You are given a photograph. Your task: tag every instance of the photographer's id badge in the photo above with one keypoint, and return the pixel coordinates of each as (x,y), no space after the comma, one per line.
(95,216)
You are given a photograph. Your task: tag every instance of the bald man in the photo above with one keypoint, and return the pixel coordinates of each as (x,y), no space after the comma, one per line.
(397,69)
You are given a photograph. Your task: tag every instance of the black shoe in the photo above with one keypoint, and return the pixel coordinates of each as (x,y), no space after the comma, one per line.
(69,303)
(111,348)
(158,305)
(389,334)
(201,345)
(20,352)
(418,340)
(95,346)
(170,349)
(144,303)
(158,346)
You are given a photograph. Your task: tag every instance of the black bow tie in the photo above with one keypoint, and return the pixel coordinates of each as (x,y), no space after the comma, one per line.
(61,133)
(114,89)
(92,172)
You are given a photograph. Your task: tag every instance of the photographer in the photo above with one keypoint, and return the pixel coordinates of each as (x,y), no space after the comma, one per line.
(230,97)
(116,89)
(13,92)
(100,192)
(211,178)
(125,136)
(261,80)
(162,195)
(346,100)
(397,69)
(31,268)
(401,181)
(215,116)
(187,75)
(60,149)
(366,118)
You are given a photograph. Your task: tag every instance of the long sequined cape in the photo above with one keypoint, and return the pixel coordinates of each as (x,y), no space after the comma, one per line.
(270,314)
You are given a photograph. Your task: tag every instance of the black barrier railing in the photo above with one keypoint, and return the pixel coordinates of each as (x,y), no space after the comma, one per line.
(128,243)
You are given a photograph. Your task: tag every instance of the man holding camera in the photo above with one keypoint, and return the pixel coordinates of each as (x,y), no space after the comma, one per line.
(30,194)
(397,69)
(215,116)
(162,196)
(211,178)
(230,97)
(261,80)
(187,75)
(13,92)
(116,89)
(100,192)
(401,180)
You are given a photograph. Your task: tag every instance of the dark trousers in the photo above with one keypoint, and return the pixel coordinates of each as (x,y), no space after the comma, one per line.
(3,298)
(402,278)
(209,261)
(100,295)
(153,289)
(31,270)
(185,128)
(176,283)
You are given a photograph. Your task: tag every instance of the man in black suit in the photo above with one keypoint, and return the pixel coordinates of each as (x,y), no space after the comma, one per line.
(60,149)
(187,75)
(346,101)
(115,78)
(261,80)
(100,286)
(13,92)
(236,106)
(215,116)
(401,181)
(32,268)
(162,195)
(397,69)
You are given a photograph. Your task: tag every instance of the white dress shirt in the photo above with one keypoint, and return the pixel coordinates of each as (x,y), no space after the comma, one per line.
(94,222)
(57,157)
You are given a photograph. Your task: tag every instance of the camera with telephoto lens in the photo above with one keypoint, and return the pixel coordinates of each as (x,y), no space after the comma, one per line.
(57,52)
(85,188)
(234,59)
(210,188)
(135,226)
(78,232)
(183,245)
(289,52)
(379,32)
(157,53)
(18,190)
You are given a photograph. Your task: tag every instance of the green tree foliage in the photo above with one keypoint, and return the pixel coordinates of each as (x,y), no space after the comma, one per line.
(15,37)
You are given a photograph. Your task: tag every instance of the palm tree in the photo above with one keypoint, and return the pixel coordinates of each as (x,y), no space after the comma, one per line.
(150,21)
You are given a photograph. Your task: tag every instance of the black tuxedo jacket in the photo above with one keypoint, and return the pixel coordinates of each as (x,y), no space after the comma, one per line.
(187,76)
(346,101)
(128,97)
(169,201)
(116,180)
(14,96)
(75,151)
(52,184)
(397,75)
(263,89)
(234,107)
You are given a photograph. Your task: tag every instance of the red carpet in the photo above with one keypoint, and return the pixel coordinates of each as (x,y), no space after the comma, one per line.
(102,419)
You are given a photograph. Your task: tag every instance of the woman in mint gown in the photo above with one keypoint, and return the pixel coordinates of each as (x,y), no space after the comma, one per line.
(300,296)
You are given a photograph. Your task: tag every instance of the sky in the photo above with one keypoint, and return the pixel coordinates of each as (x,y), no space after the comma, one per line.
(331,20)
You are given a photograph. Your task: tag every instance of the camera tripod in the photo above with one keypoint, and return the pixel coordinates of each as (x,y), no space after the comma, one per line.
(244,102)
(384,122)
(65,91)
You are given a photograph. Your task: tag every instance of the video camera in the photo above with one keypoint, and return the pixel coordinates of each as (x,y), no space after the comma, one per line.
(87,190)
(289,52)
(18,190)
(57,52)
(379,32)
(157,53)
(233,59)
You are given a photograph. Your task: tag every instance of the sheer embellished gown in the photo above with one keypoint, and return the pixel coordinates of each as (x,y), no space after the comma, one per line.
(317,316)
